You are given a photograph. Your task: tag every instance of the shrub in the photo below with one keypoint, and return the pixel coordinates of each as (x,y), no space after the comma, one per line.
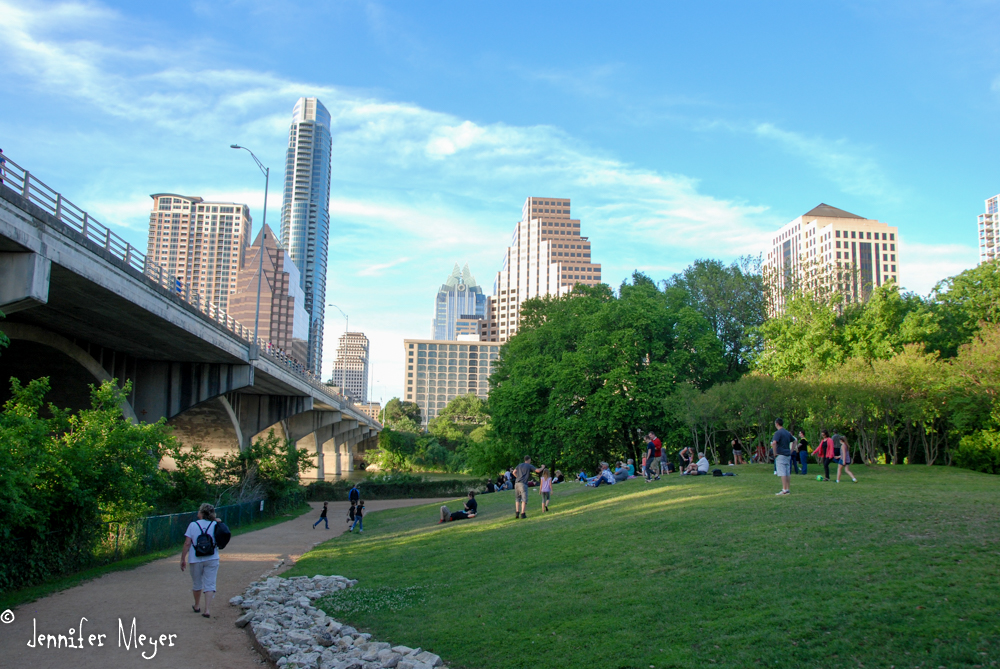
(979,452)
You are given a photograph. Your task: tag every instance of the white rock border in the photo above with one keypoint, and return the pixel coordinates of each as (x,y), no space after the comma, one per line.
(291,633)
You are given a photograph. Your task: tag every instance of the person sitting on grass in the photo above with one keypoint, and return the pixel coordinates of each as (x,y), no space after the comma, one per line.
(621,473)
(606,476)
(630,465)
(698,468)
(471,508)
(559,477)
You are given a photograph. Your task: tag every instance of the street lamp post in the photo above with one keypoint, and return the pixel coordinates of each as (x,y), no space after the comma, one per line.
(253,354)
(343,370)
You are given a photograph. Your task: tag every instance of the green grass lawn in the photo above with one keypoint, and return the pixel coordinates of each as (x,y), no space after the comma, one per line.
(898,570)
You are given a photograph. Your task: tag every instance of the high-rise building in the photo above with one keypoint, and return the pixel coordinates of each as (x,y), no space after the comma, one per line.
(350,367)
(371,409)
(989,231)
(201,243)
(436,372)
(284,322)
(459,297)
(305,214)
(547,256)
(829,250)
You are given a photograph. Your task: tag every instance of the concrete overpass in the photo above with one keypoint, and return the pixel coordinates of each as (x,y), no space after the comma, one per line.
(83,306)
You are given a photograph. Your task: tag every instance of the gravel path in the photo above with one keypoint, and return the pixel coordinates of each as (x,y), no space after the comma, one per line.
(158,596)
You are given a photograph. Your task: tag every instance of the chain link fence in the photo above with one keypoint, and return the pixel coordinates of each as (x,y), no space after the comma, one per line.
(154,533)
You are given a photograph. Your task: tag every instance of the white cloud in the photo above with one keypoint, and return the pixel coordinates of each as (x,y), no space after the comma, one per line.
(923,265)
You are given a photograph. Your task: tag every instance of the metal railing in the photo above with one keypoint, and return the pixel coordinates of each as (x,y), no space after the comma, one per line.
(96,235)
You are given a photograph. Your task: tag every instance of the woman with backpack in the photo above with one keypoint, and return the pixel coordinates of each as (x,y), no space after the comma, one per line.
(202,551)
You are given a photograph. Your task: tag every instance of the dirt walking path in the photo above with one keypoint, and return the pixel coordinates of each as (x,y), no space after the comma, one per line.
(158,596)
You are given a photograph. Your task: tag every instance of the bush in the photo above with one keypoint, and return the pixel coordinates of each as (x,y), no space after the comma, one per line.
(979,452)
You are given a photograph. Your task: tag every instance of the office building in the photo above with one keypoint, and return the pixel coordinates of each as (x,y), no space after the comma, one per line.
(305,215)
(350,367)
(459,297)
(829,250)
(284,322)
(372,410)
(548,255)
(436,372)
(201,243)
(989,231)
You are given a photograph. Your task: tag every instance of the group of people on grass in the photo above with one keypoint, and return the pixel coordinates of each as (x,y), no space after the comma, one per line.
(786,449)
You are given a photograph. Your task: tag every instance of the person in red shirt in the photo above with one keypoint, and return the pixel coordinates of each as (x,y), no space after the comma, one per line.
(653,450)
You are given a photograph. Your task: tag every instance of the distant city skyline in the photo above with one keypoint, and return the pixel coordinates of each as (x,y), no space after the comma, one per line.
(433,145)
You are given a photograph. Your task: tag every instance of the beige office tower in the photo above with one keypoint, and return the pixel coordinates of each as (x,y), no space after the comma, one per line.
(200,243)
(437,371)
(350,367)
(547,256)
(830,250)
(283,321)
(989,231)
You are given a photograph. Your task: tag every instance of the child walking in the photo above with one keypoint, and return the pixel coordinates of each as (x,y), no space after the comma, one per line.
(322,518)
(546,488)
(359,511)
(350,513)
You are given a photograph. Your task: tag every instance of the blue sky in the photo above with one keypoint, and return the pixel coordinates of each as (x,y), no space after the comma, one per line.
(679,130)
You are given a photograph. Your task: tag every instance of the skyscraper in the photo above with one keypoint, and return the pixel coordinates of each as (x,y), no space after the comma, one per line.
(284,322)
(350,368)
(201,243)
(547,256)
(989,231)
(459,297)
(829,250)
(305,212)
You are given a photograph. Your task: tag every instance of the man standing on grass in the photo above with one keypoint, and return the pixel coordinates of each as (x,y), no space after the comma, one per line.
(781,447)
(652,446)
(522,474)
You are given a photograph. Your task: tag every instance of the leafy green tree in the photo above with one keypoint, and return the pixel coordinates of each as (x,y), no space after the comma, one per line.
(396,411)
(585,376)
(271,466)
(733,299)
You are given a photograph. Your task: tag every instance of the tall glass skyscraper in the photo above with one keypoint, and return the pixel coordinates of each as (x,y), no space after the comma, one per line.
(305,212)
(459,297)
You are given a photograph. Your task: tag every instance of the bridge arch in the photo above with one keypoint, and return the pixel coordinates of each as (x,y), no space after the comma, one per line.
(29,357)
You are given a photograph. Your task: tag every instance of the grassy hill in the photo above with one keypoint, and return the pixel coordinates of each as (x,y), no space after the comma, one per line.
(899,569)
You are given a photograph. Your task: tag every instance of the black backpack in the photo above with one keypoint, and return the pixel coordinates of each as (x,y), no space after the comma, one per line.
(222,535)
(716,472)
(204,545)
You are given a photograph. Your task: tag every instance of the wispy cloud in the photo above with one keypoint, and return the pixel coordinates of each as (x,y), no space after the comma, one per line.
(923,265)
(379,269)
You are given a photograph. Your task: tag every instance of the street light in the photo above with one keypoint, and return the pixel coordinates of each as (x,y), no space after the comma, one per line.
(343,370)
(253,353)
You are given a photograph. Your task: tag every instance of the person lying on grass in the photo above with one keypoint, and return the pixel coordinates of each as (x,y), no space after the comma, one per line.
(471,507)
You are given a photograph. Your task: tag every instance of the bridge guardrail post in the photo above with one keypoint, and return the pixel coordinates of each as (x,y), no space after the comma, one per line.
(86,222)
(58,212)
(26,185)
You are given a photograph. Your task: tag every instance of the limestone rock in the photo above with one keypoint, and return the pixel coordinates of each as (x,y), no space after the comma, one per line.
(429,658)
(236,601)
(243,620)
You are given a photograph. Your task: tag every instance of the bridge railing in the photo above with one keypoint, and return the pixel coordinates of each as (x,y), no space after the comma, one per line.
(95,234)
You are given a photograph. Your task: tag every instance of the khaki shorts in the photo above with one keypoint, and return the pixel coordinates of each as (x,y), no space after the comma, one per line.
(203,575)
(521,492)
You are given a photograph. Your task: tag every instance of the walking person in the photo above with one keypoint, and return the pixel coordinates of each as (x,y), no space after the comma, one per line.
(354,495)
(781,444)
(359,511)
(737,451)
(803,454)
(322,517)
(795,454)
(202,552)
(824,452)
(545,488)
(651,455)
(842,456)
(522,475)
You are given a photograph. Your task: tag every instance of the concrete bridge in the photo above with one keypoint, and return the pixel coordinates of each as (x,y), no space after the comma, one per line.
(82,306)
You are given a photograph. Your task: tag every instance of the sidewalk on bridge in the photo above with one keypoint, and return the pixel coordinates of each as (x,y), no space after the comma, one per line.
(158,596)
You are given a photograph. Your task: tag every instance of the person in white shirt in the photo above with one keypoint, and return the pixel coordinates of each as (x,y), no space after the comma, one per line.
(697,468)
(204,568)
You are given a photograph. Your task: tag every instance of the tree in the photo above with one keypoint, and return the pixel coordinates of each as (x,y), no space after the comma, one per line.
(395,412)
(733,299)
(586,375)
